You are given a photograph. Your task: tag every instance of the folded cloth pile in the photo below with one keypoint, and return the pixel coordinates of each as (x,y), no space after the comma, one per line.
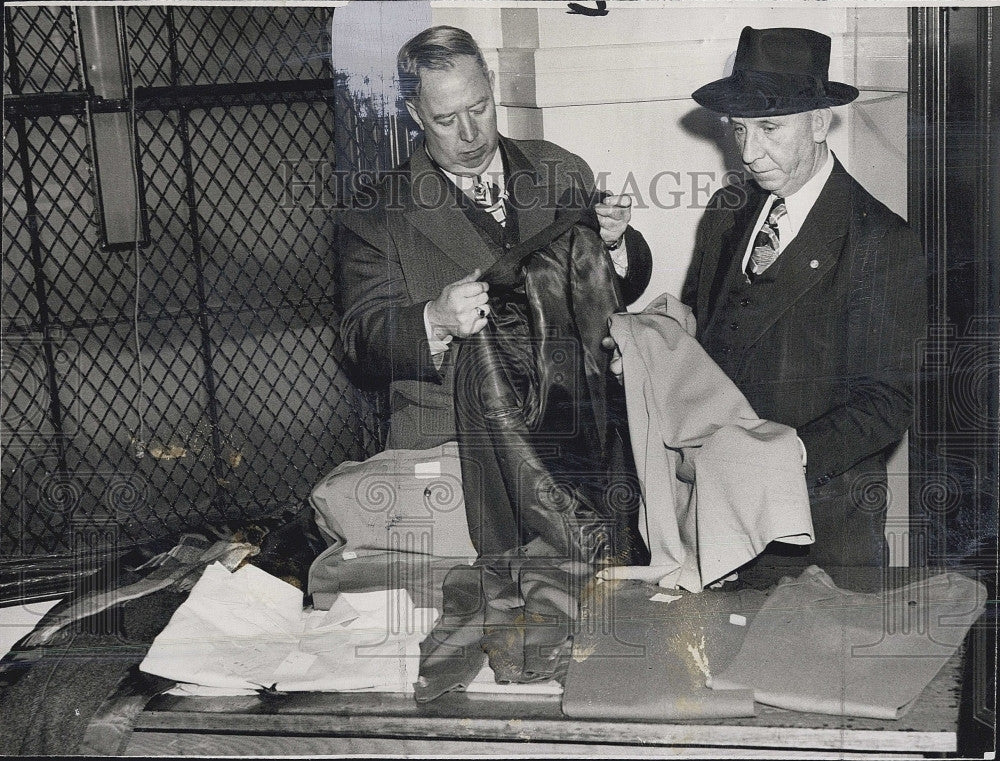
(642,655)
(402,500)
(241,632)
(817,648)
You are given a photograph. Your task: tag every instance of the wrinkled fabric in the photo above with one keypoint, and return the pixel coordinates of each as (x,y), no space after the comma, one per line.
(63,698)
(541,457)
(537,448)
(638,658)
(80,690)
(406,500)
(191,554)
(814,647)
(515,613)
(718,482)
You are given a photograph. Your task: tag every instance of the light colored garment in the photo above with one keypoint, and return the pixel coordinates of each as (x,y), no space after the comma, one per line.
(246,630)
(718,482)
(814,647)
(406,500)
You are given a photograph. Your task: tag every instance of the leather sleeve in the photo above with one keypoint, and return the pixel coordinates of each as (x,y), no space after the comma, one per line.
(640,266)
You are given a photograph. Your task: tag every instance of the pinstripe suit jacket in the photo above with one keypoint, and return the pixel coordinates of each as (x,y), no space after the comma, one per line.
(824,341)
(409,240)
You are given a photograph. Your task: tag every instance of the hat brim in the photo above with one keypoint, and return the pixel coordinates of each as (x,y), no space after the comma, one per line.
(727,96)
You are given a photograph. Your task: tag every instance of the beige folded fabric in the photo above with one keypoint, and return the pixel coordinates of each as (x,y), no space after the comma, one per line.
(405,500)
(813,647)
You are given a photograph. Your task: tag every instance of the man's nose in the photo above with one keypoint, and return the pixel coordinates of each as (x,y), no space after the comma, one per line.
(467,129)
(750,149)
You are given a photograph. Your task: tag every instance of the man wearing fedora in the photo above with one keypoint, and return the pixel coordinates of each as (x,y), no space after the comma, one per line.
(809,293)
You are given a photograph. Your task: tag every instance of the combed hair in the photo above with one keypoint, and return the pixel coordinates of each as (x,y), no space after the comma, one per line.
(435,48)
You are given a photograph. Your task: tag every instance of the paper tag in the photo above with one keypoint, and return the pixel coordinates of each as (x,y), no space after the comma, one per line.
(295,665)
(348,555)
(736,618)
(661,597)
(427,469)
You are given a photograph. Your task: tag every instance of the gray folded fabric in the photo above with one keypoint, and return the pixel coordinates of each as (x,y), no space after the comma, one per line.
(645,660)
(817,648)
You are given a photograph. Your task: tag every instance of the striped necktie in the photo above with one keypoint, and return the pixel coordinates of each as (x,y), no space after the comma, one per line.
(487,197)
(765,245)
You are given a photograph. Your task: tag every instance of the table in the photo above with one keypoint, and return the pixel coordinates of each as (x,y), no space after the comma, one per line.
(482,724)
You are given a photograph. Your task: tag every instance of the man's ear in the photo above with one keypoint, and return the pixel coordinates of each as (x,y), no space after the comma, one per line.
(492,81)
(413,112)
(822,118)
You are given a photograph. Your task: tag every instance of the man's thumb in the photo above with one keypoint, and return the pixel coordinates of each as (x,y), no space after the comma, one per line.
(472,276)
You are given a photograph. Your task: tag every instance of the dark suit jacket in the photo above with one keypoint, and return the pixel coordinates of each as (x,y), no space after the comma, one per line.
(408,238)
(824,341)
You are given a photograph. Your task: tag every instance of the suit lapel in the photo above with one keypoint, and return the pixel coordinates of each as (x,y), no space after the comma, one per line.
(434,212)
(815,250)
(529,195)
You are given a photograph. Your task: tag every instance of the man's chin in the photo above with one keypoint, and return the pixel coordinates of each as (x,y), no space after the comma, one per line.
(478,162)
(767,180)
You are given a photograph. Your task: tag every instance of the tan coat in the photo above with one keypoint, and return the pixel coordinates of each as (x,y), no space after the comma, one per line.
(718,482)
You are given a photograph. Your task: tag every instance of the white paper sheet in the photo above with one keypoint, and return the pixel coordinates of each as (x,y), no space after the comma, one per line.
(245,630)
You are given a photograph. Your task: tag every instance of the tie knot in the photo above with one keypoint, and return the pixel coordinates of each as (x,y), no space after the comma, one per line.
(485,193)
(777,211)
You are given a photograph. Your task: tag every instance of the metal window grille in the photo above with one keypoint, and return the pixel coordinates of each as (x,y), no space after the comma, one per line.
(236,397)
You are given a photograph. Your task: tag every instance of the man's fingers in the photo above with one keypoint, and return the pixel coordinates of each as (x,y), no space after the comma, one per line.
(472,300)
(615,366)
(608,343)
(619,202)
(611,212)
(471,277)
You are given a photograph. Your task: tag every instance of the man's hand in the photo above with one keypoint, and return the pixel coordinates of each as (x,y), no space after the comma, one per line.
(614,214)
(461,308)
(609,344)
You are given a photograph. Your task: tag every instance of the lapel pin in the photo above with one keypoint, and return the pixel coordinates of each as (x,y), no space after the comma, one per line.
(814,263)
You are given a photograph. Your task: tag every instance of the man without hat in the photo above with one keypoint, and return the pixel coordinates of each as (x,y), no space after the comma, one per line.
(411,263)
(810,294)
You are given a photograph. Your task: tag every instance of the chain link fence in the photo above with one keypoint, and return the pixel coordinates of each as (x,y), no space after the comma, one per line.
(197,376)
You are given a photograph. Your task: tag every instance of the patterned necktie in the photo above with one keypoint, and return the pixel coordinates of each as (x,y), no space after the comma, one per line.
(765,245)
(487,196)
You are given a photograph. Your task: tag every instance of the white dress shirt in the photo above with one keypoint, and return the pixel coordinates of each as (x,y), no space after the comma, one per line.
(797,208)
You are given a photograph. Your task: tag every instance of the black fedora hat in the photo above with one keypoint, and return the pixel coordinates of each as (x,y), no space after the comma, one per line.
(777,71)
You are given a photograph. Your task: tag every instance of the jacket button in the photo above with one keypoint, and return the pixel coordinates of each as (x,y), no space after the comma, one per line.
(745,302)
(823,480)
(734,325)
